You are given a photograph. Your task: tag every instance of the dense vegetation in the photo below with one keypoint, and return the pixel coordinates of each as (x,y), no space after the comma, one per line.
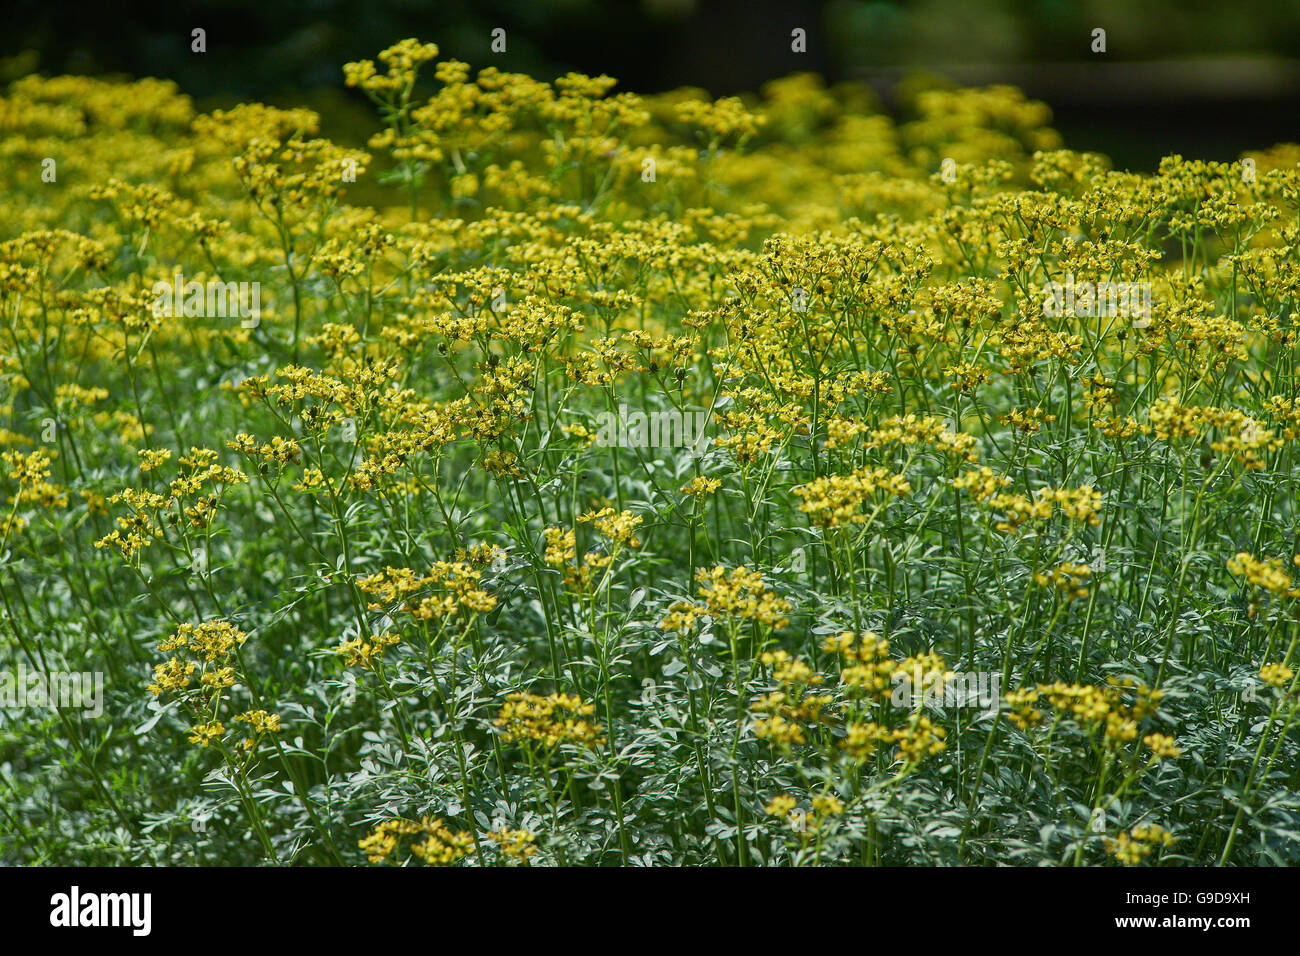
(647,481)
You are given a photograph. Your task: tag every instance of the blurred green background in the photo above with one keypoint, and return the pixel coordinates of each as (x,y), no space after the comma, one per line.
(1204,78)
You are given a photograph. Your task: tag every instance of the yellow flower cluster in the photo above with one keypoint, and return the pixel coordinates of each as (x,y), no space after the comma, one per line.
(211,644)
(364,653)
(1081,505)
(1068,577)
(1276,675)
(562,549)
(204,734)
(805,824)
(788,710)
(516,844)
(454,586)
(1267,574)
(981,483)
(551,720)
(919,739)
(835,499)
(868,667)
(701,486)
(740,593)
(1162,746)
(430,840)
(1133,846)
(1095,708)
(259,723)
(930,430)
(618,526)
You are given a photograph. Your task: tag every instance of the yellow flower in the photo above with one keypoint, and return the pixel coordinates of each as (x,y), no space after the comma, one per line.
(780,806)
(741,593)
(517,844)
(1133,846)
(827,805)
(835,499)
(552,720)
(701,485)
(1276,675)
(364,654)
(1267,574)
(151,458)
(1067,577)
(432,841)
(1162,746)
(616,525)
(204,734)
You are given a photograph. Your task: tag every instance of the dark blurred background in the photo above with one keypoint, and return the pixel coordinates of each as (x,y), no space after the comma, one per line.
(1205,78)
